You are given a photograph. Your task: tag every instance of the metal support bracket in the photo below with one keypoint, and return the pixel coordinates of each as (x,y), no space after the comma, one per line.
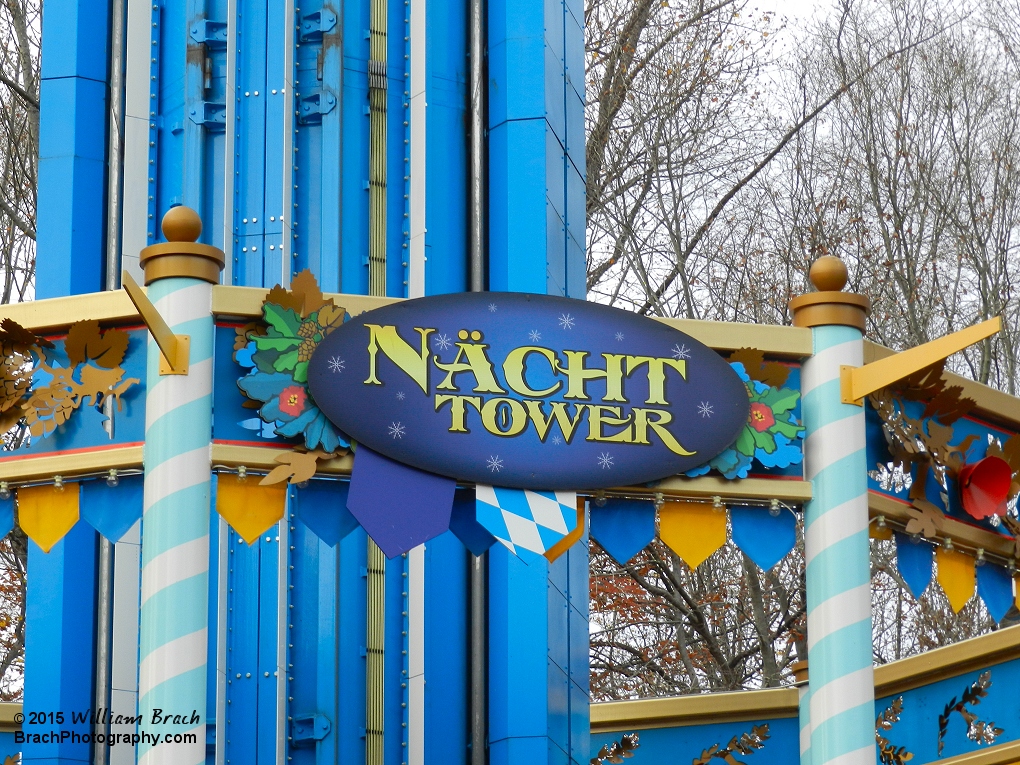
(857,382)
(175,350)
(315,25)
(314,106)
(212,33)
(306,730)
(210,115)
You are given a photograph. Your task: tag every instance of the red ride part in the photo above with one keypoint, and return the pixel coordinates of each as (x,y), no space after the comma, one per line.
(984,487)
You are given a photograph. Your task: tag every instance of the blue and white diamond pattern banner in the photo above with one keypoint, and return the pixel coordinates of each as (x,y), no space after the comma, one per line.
(526,521)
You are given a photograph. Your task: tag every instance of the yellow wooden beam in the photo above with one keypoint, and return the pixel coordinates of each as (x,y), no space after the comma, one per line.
(696,709)
(858,382)
(175,348)
(34,467)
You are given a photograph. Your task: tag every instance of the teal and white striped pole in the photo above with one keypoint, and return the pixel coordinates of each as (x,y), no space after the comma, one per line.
(840,699)
(174,622)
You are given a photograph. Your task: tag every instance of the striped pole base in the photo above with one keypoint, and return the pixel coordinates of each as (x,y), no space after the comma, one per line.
(841,701)
(175,535)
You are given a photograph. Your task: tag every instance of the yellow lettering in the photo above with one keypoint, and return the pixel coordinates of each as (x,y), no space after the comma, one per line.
(599,416)
(559,414)
(396,349)
(657,420)
(477,364)
(514,367)
(504,417)
(458,409)
(578,376)
(657,376)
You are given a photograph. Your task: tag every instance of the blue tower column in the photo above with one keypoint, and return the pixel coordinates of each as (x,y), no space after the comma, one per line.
(536,147)
(72,148)
(70,224)
(538,658)
(838,708)
(538,613)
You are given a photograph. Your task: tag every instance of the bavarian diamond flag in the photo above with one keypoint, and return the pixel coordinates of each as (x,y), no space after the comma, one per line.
(523,520)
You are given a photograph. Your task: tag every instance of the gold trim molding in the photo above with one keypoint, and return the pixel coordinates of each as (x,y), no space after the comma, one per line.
(971,537)
(677,711)
(772,703)
(949,661)
(1000,754)
(27,468)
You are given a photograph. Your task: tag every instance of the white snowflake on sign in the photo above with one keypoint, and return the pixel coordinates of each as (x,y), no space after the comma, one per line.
(495,464)
(492,308)
(534,335)
(442,342)
(397,430)
(336,364)
(605,460)
(681,352)
(619,337)
(566,321)
(401,395)
(705,409)
(556,440)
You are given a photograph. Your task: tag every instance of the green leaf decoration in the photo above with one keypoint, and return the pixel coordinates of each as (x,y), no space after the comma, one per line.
(788,429)
(781,400)
(745,442)
(268,343)
(287,361)
(301,372)
(284,320)
(764,441)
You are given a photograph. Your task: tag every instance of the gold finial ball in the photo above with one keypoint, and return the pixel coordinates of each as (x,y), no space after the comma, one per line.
(181,224)
(828,274)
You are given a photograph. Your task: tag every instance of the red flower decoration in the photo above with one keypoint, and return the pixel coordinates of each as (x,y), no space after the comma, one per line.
(292,400)
(762,417)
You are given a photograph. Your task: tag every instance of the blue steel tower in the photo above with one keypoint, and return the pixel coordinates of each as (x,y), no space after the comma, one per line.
(392,147)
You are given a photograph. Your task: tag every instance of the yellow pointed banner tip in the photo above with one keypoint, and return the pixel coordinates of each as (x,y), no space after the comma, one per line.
(956,575)
(570,539)
(692,530)
(46,513)
(250,508)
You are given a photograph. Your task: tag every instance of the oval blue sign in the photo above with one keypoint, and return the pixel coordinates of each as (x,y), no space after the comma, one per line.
(527,391)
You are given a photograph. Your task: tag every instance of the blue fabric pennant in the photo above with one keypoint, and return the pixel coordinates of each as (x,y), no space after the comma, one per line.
(995,586)
(761,537)
(399,506)
(623,527)
(112,510)
(528,523)
(322,507)
(466,527)
(6,515)
(914,561)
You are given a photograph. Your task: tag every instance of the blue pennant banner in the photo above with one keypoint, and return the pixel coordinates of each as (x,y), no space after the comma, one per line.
(526,521)
(322,507)
(914,560)
(6,515)
(399,506)
(623,527)
(995,586)
(466,527)
(761,537)
(112,510)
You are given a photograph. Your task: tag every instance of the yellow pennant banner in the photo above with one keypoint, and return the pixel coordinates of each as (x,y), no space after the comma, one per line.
(692,530)
(46,513)
(956,575)
(568,541)
(248,507)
